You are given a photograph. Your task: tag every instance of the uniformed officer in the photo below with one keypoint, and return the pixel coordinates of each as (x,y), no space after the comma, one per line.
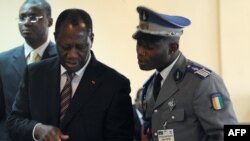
(182,100)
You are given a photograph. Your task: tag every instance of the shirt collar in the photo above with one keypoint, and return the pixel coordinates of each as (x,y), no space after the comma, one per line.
(166,71)
(81,71)
(40,50)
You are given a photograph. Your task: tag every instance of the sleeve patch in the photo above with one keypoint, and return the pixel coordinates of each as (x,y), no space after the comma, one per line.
(217,101)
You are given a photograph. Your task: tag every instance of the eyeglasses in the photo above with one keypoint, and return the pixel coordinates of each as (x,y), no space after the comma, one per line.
(32,19)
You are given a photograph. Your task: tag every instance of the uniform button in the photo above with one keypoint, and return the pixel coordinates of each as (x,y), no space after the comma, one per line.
(173,117)
(155,110)
(155,134)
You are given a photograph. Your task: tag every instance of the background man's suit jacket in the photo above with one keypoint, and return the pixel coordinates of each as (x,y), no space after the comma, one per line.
(101,109)
(12,65)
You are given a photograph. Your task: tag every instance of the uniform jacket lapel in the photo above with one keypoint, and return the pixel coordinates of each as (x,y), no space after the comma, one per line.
(168,89)
(170,86)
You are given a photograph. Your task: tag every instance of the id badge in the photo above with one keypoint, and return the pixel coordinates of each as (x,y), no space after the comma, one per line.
(166,135)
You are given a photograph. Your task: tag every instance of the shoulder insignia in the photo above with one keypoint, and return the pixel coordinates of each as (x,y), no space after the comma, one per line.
(199,71)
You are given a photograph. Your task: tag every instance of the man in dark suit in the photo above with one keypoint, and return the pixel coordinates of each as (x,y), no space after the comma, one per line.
(138,121)
(92,105)
(34,22)
(183,100)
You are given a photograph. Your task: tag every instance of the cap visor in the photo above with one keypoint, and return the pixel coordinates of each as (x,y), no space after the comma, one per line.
(138,35)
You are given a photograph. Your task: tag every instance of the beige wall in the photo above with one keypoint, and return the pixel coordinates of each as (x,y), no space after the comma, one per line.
(216,38)
(235,53)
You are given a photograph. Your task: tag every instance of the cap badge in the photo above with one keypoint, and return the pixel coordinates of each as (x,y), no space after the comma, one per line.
(144,16)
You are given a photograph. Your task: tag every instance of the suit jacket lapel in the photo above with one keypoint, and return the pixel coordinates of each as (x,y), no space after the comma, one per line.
(85,89)
(50,51)
(170,86)
(52,90)
(18,61)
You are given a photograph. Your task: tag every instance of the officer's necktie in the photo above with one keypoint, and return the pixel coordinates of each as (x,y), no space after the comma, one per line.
(66,94)
(157,85)
(33,57)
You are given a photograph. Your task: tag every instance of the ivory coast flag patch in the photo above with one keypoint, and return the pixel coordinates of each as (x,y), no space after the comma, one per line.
(217,101)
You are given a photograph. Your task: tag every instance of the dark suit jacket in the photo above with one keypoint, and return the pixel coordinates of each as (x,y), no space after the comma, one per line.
(12,65)
(100,110)
(137,125)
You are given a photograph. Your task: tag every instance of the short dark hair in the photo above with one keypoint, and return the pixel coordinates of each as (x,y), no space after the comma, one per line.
(43,3)
(74,16)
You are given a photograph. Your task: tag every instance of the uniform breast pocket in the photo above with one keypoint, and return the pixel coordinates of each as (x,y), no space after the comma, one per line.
(173,116)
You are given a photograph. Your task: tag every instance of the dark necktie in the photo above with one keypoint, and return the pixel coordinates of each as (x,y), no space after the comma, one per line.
(157,85)
(66,94)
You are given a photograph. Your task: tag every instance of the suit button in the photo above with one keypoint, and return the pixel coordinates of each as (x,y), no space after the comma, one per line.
(155,134)
(173,117)
(155,110)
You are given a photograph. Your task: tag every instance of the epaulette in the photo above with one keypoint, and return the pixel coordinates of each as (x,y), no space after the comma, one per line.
(199,71)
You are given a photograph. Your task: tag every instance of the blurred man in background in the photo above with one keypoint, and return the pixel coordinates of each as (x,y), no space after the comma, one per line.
(34,22)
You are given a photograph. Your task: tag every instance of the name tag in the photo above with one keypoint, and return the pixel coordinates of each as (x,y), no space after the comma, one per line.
(166,135)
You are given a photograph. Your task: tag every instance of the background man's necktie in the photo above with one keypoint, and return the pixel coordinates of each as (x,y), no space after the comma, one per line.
(157,85)
(33,57)
(66,94)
